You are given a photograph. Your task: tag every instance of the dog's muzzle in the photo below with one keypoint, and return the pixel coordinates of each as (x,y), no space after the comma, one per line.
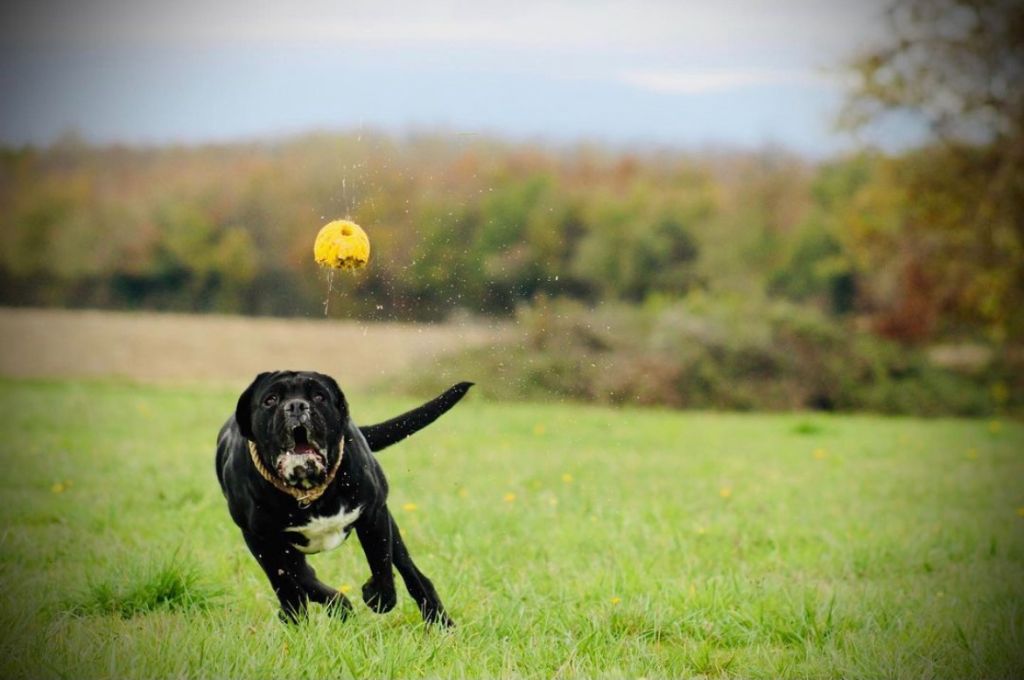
(303,463)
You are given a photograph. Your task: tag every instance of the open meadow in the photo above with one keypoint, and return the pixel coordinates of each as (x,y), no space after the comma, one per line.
(212,349)
(566,541)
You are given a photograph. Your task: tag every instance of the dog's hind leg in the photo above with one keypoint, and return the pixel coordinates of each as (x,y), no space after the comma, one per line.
(416,582)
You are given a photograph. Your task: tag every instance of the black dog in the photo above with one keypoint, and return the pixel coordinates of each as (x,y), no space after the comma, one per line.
(298,475)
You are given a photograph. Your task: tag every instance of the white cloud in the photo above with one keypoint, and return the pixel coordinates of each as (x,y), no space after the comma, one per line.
(725,27)
(707,81)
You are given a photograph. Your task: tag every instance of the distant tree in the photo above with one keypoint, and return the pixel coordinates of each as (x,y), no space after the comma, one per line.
(634,250)
(945,222)
(958,64)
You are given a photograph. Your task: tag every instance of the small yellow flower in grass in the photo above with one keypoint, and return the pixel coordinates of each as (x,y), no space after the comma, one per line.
(820,454)
(567,478)
(616,600)
(972,453)
(463,493)
(409,507)
(553,502)
(539,429)
(725,492)
(1020,511)
(701,531)
(58,487)
(994,426)
(345,589)
(342,244)
(509,497)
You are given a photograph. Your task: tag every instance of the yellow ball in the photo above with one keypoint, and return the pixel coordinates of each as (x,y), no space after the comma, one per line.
(342,245)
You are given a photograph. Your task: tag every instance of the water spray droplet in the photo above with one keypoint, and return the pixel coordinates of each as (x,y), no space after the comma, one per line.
(330,288)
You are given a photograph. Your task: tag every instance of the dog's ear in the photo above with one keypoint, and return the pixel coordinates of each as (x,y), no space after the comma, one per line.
(337,395)
(243,410)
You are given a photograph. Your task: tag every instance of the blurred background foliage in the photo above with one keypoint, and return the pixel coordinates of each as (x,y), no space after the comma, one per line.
(475,225)
(754,279)
(482,227)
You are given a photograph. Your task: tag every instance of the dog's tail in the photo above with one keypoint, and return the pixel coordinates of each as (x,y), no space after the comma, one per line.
(383,435)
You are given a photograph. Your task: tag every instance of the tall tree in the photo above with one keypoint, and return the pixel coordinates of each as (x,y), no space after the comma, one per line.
(957,244)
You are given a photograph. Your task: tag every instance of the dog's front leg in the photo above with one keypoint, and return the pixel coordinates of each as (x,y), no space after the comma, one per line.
(374,531)
(282,564)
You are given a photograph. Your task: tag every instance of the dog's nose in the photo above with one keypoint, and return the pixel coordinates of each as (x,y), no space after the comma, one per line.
(296,407)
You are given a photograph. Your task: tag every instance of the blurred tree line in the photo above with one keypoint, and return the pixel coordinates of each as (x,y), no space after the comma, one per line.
(454,224)
(480,226)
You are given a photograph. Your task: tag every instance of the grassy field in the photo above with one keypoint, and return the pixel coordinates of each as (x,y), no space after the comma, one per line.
(565,540)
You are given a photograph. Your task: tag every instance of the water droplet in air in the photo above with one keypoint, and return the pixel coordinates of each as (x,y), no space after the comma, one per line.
(330,287)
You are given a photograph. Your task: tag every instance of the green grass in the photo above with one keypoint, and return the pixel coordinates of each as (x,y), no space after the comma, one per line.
(565,541)
(173,585)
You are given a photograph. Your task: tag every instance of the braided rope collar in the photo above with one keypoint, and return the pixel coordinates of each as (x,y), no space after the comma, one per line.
(304,496)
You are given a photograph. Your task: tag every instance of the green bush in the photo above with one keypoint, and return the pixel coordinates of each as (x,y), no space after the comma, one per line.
(714,354)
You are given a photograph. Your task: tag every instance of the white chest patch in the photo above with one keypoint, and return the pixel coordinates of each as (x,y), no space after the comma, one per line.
(326,533)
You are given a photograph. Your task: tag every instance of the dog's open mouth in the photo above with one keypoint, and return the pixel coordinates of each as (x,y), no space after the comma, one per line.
(304,465)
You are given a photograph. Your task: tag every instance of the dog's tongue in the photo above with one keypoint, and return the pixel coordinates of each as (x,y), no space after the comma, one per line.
(301,449)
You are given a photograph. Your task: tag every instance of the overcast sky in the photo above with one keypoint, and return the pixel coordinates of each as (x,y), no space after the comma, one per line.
(688,74)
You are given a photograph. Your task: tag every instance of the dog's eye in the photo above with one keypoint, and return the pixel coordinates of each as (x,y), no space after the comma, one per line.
(318,396)
(270,400)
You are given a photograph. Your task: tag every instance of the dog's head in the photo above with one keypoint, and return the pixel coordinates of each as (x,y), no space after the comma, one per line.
(296,420)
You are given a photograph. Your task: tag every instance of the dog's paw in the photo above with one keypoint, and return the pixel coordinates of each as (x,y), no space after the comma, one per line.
(437,616)
(339,606)
(378,599)
(291,614)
